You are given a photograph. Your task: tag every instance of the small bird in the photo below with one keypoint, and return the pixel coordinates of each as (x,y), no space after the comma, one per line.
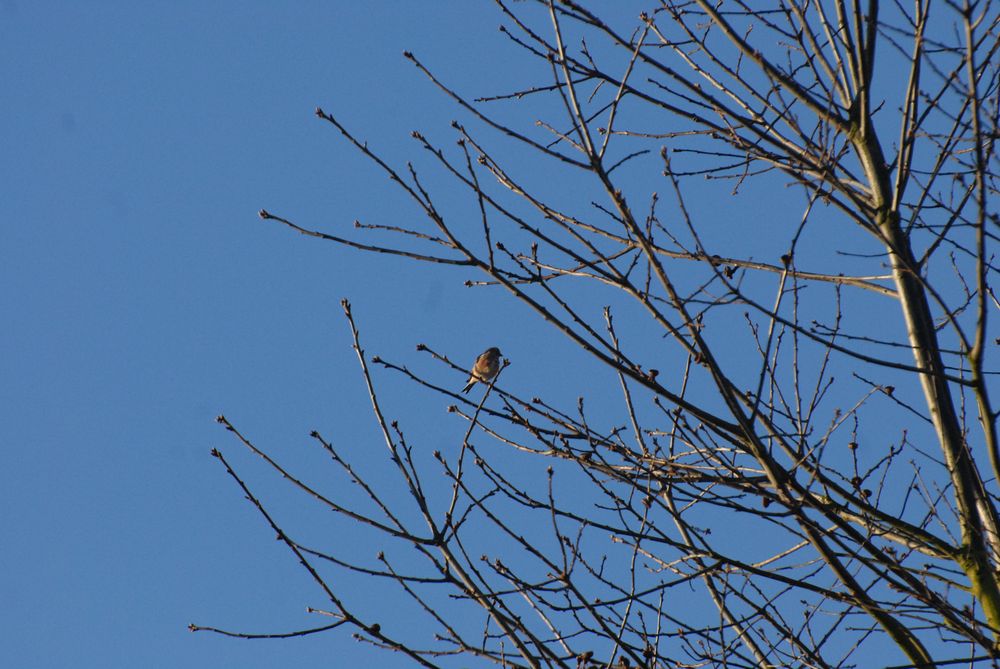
(486,367)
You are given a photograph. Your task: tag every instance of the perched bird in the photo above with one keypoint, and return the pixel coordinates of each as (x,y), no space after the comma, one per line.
(486,367)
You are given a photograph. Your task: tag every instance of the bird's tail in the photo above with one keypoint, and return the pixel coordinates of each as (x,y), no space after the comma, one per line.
(468,387)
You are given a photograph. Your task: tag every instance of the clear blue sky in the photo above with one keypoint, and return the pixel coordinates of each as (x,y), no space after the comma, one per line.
(141,296)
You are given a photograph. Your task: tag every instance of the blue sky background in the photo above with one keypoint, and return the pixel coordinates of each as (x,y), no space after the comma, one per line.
(142,296)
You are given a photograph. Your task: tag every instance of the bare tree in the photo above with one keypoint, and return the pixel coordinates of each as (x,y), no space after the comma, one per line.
(872,129)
